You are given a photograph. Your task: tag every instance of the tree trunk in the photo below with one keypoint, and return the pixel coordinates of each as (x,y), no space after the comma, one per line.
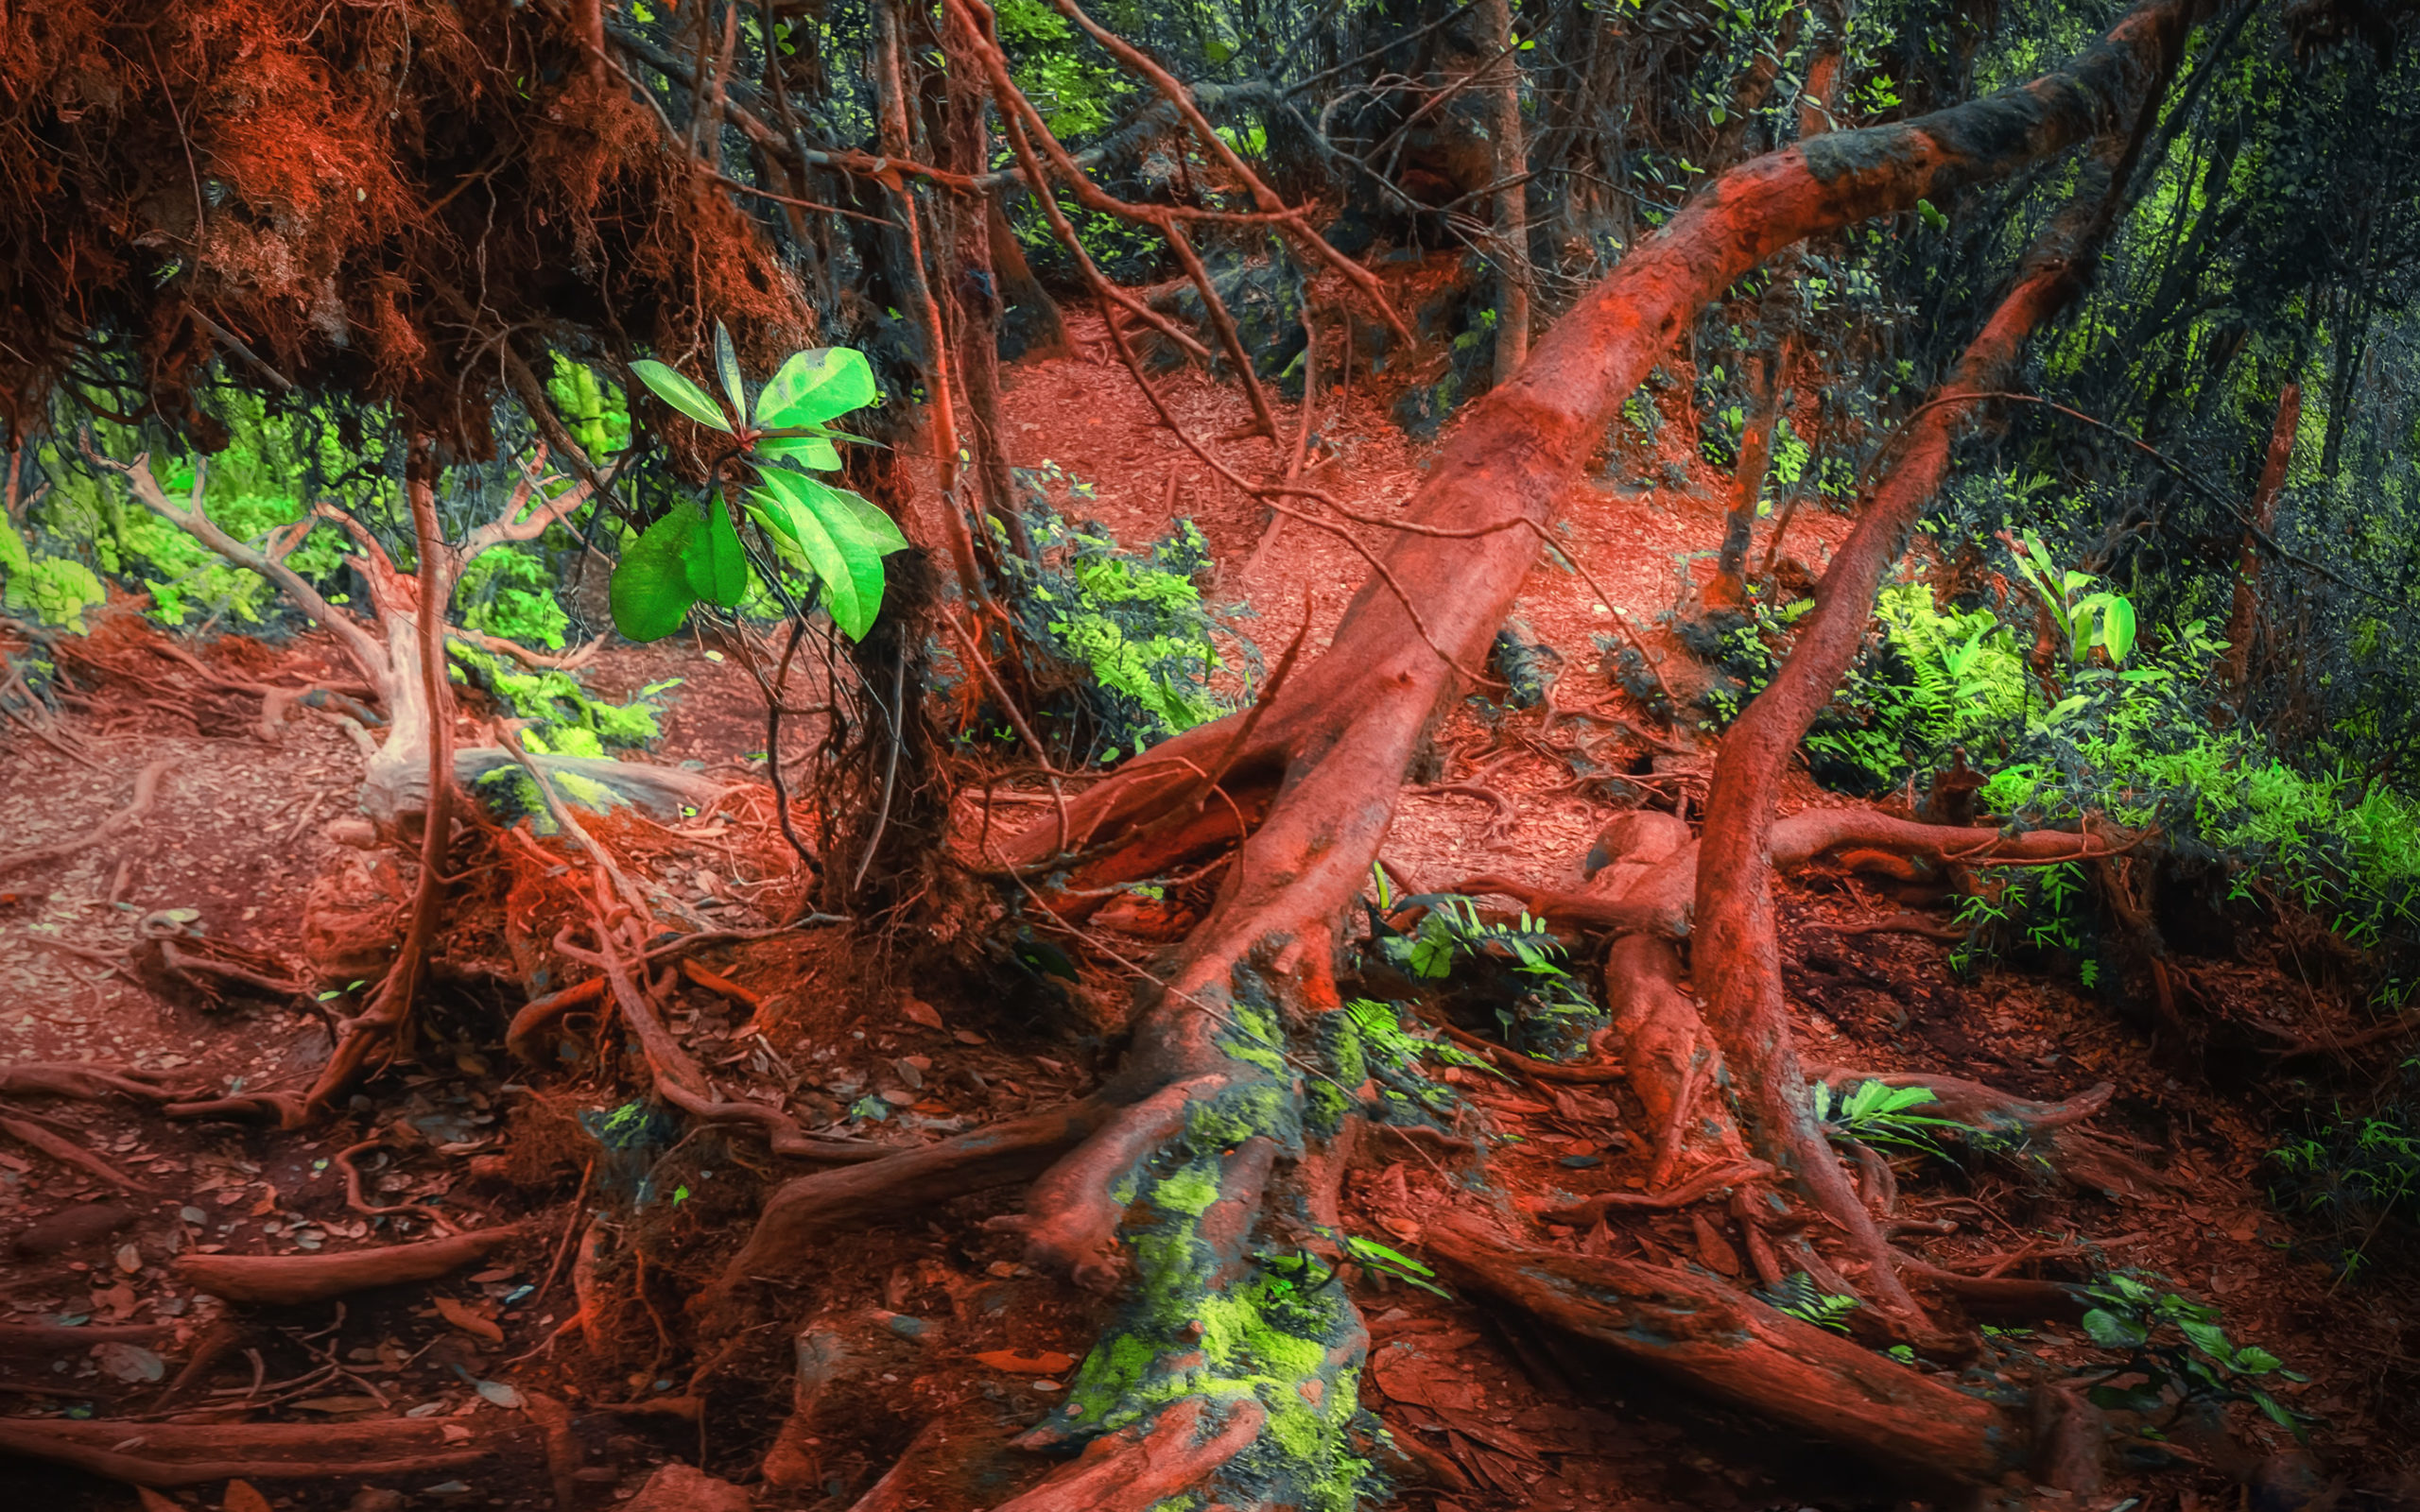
(1729,589)
(2242,621)
(1034,324)
(1738,957)
(1512,195)
(962,263)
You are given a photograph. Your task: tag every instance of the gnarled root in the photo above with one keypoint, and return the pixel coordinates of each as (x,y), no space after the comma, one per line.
(1733,1346)
(1135,1468)
(2046,1130)
(91,1083)
(289,1280)
(1070,1224)
(192,1454)
(803,1211)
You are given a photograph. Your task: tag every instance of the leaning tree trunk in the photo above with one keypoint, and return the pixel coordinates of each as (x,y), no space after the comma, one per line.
(1227,1127)
(1738,955)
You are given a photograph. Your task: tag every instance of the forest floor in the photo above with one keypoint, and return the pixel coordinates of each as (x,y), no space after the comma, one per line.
(1495,1412)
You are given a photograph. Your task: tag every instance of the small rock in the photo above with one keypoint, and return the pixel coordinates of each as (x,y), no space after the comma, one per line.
(686,1489)
(1581,1163)
(376,1499)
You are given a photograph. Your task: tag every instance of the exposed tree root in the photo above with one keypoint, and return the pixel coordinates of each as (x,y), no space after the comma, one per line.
(2043,1132)
(30,1132)
(803,1210)
(1133,1468)
(169,1454)
(291,1281)
(1730,1346)
(147,789)
(78,1079)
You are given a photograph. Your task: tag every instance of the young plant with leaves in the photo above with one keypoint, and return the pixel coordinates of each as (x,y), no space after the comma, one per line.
(2176,1355)
(833,535)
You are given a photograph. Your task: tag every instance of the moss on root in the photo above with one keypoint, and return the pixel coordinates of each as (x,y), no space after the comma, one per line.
(1223,1310)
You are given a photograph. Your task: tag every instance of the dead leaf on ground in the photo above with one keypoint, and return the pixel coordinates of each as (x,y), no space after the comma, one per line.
(242,1498)
(467,1321)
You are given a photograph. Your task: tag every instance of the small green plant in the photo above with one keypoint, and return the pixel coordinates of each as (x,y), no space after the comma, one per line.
(1874,1112)
(1803,1299)
(2085,618)
(510,592)
(57,590)
(1132,652)
(1516,968)
(2176,1355)
(835,537)
(2352,1176)
(1372,1255)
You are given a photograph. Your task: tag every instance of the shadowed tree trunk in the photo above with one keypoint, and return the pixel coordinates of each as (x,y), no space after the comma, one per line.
(2243,617)
(1512,196)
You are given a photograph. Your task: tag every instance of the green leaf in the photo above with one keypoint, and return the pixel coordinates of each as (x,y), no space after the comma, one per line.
(2111,1332)
(727,364)
(807,451)
(680,394)
(2210,1339)
(840,547)
(651,593)
(2254,1360)
(717,569)
(813,387)
(2118,626)
(2277,1415)
(1932,215)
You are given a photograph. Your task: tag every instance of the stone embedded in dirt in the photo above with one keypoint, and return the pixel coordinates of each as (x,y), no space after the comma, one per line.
(70,1227)
(686,1489)
(376,1499)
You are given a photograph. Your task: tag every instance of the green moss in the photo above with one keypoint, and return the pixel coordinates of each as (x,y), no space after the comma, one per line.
(1190,1190)
(585,790)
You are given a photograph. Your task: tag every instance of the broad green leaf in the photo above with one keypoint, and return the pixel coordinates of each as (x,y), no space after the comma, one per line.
(727,364)
(815,385)
(2210,1339)
(718,568)
(2118,626)
(2254,1360)
(680,394)
(651,593)
(850,569)
(2112,1332)
(2277,1415)
(807,451)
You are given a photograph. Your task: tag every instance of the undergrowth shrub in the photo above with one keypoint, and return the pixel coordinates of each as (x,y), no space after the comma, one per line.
(1134,654)
(2353,1177)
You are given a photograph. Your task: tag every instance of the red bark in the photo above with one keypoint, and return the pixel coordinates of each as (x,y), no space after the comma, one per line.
(2242,616)
(1727,1343)
(1738,954)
